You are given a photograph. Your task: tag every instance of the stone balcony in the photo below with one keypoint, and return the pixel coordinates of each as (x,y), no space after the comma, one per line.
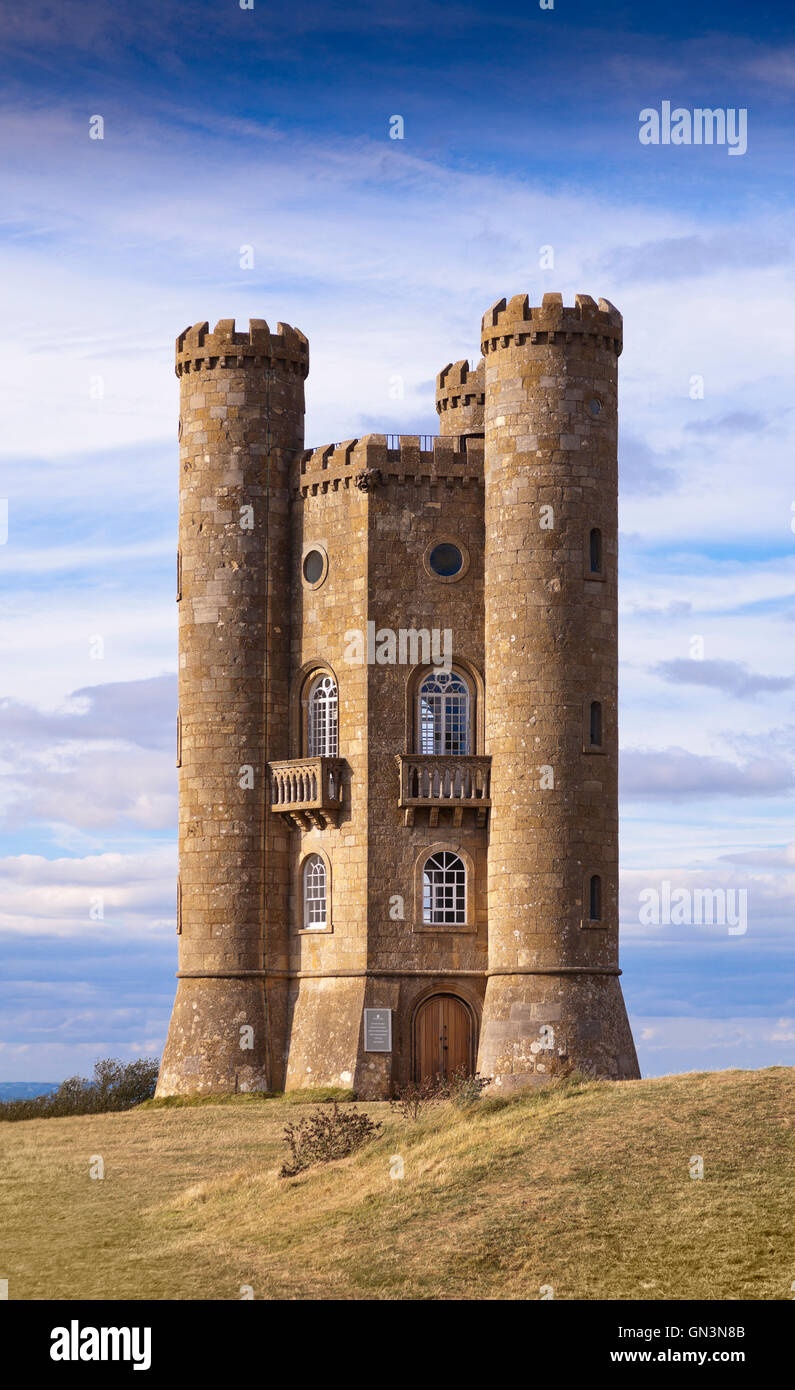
(307,791)
(452,785)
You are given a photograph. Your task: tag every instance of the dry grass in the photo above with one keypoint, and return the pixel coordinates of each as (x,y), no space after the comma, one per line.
(585,1187)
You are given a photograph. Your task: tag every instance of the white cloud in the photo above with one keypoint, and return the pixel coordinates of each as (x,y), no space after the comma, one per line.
(768,914)
(782,857)
(56,896)
(675,774)
(104,760)
(716,1036)
(428,273)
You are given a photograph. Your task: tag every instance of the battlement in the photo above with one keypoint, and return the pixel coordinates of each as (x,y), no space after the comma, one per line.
(379,459)
(460,398)
(197,349)
(552,322)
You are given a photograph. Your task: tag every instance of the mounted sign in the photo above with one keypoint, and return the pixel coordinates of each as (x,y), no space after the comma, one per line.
(378,1030)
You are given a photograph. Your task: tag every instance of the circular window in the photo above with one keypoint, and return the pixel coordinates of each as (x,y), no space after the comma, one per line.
(314,567)
(595,405)
(446,559)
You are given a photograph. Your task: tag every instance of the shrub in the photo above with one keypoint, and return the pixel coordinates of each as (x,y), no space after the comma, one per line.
(464,1088)
(325,1135)
(115,1086)
(410,1100)
(121,1085)
(460,1087)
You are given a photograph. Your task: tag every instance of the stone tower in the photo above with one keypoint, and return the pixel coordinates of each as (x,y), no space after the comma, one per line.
(551,499)
(241,428)
(397,739)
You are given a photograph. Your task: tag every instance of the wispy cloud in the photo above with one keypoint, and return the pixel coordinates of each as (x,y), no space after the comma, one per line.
(674,774)
(127,896)
(734,422)
(781,857)
(696,256)
(642,472)
(731,677)
(100,763)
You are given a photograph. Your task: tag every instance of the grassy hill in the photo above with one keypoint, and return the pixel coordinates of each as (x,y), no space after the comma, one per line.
(585,1187)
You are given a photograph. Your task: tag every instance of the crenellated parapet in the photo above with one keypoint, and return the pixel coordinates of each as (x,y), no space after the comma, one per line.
(378,459)
(551,323)
(197,349)
(460,398)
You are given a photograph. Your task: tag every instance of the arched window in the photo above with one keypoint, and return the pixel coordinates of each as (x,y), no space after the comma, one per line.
(444,890)
(595,548)
(315,907)
(444,714)
(322,741)
(596,724)
(595,904)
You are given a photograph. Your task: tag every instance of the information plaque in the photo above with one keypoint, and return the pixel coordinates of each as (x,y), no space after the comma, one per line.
(378,1030)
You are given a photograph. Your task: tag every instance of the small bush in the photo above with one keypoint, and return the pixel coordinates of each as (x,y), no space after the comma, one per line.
(115,1086)
(465,1088)
(410,1100)
(460,1087)
(328,1134)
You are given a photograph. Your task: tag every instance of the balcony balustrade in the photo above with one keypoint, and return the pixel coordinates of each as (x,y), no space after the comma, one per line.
(443,783)
(307,791)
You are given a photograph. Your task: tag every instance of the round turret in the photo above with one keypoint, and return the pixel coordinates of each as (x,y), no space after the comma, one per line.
(459,399)
(551,498)
(241,428)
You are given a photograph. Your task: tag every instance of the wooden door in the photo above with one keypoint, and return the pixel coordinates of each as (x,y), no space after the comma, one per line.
(442,1037)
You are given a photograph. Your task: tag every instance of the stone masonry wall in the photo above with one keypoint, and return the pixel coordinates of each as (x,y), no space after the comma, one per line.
(423,498)
(327,982)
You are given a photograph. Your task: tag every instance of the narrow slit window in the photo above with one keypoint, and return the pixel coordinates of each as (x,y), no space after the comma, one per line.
(595,904)
(596,724)
(596,550)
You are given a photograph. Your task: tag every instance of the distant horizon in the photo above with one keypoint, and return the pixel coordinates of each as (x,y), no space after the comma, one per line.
(691,1071)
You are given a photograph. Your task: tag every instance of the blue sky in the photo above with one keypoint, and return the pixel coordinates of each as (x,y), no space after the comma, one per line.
(227,128)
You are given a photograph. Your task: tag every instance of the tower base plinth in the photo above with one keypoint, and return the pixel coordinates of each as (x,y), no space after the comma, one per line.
(536,1027)
(217,1040)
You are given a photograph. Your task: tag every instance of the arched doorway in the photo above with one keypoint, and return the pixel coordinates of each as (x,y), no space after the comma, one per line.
(444,1037)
